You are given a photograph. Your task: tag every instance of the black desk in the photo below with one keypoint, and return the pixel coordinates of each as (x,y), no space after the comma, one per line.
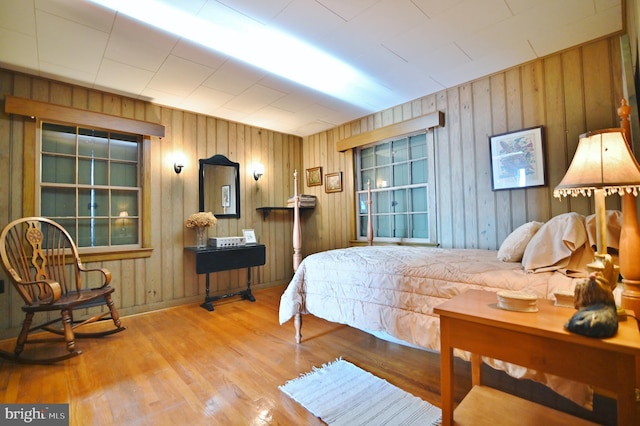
(223,259)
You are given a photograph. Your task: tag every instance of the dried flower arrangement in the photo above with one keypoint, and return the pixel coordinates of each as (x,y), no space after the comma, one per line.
(201,219)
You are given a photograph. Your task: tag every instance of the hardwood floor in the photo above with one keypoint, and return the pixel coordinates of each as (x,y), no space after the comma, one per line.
(186,365)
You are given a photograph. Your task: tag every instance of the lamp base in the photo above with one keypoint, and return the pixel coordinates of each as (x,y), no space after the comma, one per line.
(630,298)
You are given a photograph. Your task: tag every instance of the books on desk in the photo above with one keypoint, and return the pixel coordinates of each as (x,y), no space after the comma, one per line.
(304,200)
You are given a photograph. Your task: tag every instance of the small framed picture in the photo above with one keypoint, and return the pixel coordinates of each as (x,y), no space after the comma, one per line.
(517,159)
(333,182)
(314,176)
(249,236)
(225,197)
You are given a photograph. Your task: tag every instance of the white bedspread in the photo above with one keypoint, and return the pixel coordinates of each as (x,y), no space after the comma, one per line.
(393,290)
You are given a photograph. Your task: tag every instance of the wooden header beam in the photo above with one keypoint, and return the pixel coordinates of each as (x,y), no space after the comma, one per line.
(428,121)
(47,111)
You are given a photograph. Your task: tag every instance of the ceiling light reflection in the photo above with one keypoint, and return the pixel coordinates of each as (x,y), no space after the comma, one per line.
(231,33)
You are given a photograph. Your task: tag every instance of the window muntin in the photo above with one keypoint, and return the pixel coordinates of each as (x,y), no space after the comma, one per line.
(399,172)
(90,183)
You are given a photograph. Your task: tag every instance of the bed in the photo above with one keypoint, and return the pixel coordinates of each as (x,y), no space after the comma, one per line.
(390,291)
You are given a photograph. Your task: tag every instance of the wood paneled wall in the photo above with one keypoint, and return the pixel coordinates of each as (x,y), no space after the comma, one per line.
(568,93)
(168,276)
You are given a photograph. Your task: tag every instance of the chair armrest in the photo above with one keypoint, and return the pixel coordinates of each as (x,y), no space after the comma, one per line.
(54,289)
(104,271)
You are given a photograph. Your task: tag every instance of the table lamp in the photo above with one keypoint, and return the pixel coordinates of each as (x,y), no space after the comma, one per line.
(604,165)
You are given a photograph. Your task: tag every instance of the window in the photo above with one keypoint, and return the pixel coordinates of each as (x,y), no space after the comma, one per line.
(400,172)
(89,182)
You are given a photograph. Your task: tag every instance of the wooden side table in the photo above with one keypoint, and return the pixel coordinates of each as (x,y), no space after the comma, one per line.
(223,259)
(473,322)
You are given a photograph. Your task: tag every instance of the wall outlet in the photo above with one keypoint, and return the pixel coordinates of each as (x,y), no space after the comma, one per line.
(1,286)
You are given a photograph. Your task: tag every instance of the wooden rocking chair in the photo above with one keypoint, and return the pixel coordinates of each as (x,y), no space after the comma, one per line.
(43,263)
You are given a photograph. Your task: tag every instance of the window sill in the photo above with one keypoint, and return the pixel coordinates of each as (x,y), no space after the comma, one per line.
(355,243)
(136,253)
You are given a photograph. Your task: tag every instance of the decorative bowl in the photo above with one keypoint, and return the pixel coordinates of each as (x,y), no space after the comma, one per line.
(519,301)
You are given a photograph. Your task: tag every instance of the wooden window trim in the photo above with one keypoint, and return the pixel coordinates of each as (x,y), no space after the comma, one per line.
(431,170)
(425,122)
(29,184)
(47,111)
(117,255)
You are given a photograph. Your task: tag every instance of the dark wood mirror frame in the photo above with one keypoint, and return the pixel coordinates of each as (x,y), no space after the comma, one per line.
(208,184)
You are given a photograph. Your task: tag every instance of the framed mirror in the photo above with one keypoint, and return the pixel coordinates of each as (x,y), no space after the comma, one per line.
(219,187)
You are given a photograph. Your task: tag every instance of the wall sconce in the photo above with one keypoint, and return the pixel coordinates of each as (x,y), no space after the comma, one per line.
(178,161)
(258,171)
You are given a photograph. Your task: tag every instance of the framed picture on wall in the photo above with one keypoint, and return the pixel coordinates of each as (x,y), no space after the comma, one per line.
(517,159)
(333,182)
(314,176)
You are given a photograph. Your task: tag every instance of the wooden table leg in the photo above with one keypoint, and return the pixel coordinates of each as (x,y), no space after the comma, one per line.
(446,373)
(476,370)
(207,299)
(627,405)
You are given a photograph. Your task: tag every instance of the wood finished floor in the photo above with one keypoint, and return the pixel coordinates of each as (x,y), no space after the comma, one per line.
(186,365)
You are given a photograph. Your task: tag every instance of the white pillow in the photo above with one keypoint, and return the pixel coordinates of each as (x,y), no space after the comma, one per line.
(551,247)
(512,248)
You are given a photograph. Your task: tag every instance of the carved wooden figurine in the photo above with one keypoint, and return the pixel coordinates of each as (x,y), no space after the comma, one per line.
(597,314)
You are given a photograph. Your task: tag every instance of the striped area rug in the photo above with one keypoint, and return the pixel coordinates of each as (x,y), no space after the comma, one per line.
(340,393)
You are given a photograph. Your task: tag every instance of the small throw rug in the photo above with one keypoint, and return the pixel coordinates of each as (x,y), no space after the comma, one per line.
(340,393)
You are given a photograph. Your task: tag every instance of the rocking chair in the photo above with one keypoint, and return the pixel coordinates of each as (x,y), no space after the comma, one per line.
(42,261)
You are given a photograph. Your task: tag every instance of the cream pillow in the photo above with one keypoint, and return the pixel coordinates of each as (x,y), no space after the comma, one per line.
(614,226)
(512,248)
(551,247)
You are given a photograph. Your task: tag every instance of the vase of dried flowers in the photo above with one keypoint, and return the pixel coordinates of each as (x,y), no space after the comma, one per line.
(201,222)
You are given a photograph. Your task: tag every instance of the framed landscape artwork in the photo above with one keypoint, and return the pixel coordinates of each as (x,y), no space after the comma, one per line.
(517,159)
(333,182)
(314,176)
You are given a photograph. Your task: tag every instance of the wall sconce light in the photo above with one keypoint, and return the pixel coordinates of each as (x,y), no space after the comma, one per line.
(178,161)
(258,171)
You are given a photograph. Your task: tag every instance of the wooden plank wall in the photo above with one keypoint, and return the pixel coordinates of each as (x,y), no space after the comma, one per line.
(168,276)
(568,93)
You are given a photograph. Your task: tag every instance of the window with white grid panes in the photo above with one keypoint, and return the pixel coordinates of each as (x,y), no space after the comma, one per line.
(89,182)
(400,172)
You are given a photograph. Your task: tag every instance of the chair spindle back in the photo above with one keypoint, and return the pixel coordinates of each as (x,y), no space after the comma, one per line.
(39,249)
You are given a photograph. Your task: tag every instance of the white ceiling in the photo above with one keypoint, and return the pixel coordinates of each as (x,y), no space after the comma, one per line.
(413,47)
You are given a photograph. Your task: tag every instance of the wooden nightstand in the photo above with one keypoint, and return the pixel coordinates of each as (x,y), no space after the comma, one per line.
(473,322)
